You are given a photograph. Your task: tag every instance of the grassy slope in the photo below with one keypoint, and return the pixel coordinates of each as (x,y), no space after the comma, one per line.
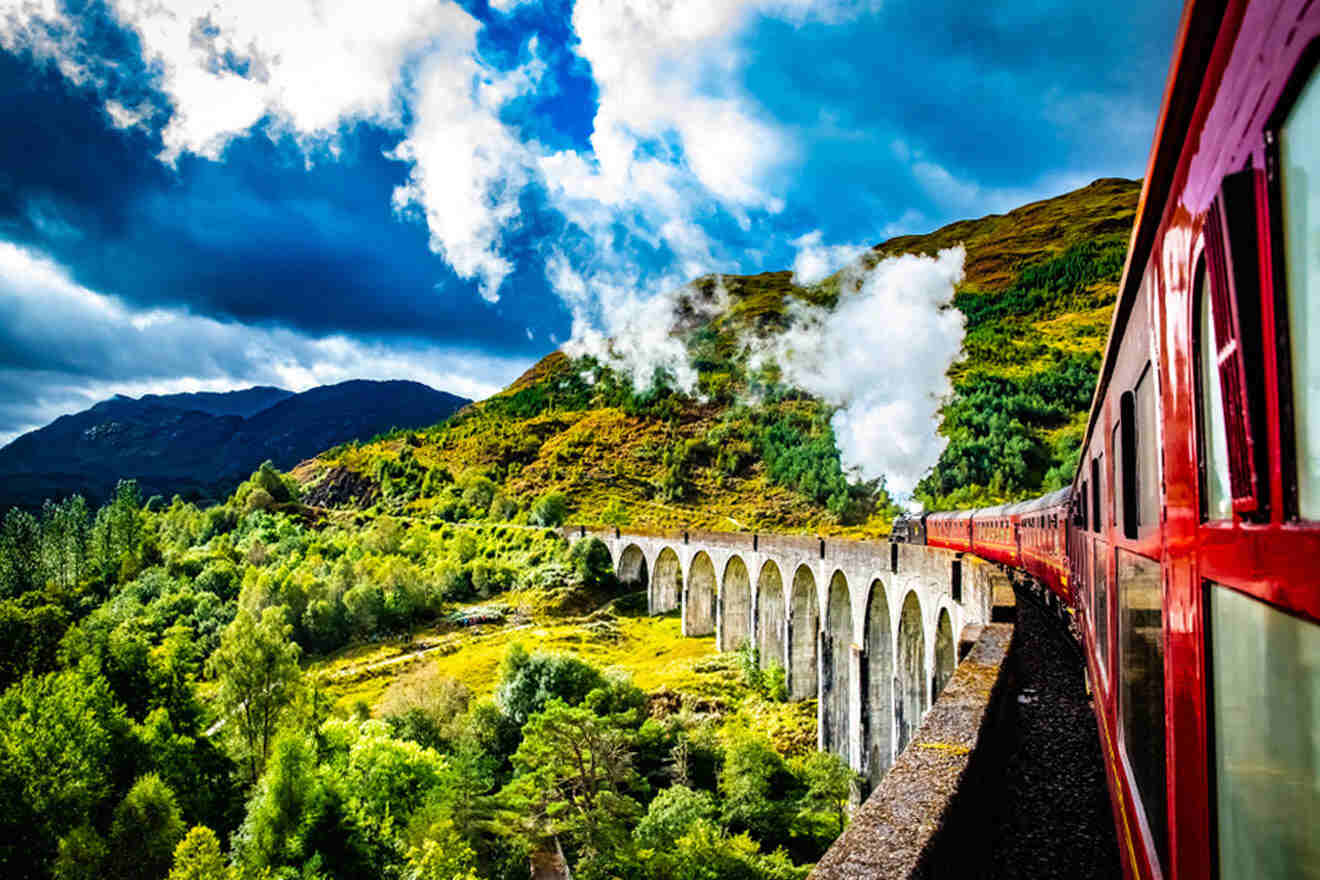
(619,460)
(650,650)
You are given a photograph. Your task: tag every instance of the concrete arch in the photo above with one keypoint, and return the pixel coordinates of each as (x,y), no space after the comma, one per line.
(666,582)
(735,605)
(910,675)
(699,597)
(631,568)
(945,657)
(770,615)
(879,696)
(836,695)
(803,627)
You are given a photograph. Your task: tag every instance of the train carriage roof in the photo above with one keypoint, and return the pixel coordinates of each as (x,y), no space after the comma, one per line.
(1045,502)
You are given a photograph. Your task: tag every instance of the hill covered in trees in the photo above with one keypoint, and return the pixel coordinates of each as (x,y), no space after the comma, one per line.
(202,445)
(745,450)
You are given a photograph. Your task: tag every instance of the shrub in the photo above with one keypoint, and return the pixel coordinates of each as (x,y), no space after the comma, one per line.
(591,562)
(529,681)
(549,510)
(672,814)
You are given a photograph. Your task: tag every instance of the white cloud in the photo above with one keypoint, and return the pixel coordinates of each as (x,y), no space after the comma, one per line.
(310,64)
(882,357)
(467,167)
(101,347)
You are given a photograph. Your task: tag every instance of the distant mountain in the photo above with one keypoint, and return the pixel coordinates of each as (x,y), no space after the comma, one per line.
(202,444)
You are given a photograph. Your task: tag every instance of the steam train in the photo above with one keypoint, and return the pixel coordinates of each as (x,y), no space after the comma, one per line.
(1188,545)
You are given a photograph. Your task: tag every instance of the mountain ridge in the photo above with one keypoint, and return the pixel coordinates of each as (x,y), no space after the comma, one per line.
(203,444)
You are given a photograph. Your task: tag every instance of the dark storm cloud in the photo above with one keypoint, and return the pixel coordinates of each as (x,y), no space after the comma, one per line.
(260,238)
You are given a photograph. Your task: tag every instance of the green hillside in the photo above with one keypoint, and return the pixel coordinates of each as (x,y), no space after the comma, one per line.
(1039,288)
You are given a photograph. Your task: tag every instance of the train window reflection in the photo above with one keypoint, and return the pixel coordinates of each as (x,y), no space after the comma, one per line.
(1265,694)
(1299,147)
(1214,438)
(1141,682)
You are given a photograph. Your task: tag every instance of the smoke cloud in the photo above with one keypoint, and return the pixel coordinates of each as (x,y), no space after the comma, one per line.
(816,261)
(881,356)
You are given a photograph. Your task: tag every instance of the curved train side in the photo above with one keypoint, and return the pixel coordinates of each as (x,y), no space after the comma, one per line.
(1185,547)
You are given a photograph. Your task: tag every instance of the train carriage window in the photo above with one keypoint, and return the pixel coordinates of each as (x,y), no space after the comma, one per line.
(1147,436)
(1265,712)
(1216,502)
(1125,474)
(1299,149)
(1141,683)
(1121,461)
(1100,581)
(1097,524)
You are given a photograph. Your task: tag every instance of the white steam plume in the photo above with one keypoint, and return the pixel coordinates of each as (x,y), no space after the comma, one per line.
(638,337)
(816,261)
(881,356)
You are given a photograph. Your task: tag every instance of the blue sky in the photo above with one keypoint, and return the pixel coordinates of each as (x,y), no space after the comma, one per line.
(201,195)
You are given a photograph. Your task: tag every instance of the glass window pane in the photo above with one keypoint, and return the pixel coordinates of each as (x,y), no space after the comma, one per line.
(1116,476)
(1218,503)
(1265,688)
(1100,558)
(1141,688)
(1299,149)
(1148,453)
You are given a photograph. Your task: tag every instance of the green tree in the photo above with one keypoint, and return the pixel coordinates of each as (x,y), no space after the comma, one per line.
(198,857)
(146,829)
(257,669)
(591,562)
(574,778)
(757,787)
(62,743)
(20,553)
(83,855)
(442,854)
(287,798)
(829,782)
(65,537)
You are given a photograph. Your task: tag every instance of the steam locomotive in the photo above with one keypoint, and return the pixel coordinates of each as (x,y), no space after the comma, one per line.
(1186,543)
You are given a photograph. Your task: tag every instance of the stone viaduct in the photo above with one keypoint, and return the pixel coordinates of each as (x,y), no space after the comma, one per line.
(869,629)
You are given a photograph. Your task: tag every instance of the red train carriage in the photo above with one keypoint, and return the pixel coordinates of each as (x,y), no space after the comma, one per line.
(1196,520)
(994,534)
(951,530)
(1042,539)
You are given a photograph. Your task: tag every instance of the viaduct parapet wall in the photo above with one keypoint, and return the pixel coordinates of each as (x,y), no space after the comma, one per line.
(869,629)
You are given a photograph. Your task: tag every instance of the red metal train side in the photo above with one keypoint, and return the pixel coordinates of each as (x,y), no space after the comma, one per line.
(1192,558)
(1187,541)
